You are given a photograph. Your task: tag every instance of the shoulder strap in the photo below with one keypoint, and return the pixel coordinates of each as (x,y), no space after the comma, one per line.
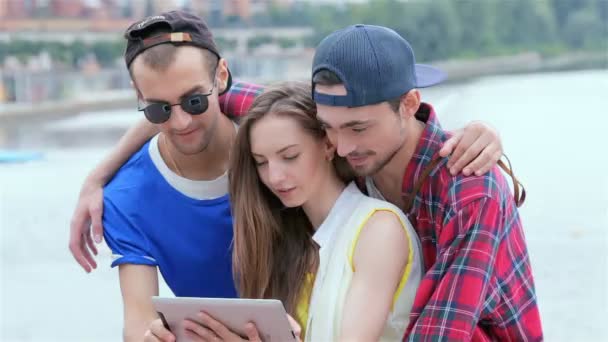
(518,194)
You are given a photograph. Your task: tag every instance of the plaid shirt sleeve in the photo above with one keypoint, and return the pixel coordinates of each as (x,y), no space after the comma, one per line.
(481,284)
(236,102)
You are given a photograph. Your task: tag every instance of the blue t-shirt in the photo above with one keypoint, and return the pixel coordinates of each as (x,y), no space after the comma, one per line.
(148,222)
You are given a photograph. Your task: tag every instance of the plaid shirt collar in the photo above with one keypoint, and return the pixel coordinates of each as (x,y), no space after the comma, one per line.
(429,144)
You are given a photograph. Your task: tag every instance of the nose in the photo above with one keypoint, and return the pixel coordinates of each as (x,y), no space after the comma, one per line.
(276,174)
(344,146)
(179,120)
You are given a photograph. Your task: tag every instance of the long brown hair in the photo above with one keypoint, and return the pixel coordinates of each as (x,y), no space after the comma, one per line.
(273,246)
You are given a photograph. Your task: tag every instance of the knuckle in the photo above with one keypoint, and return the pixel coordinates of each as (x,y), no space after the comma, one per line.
(95,209)
(474,165)
(459,150)
(215,326)
(204,333)
(74,246)
(74,223)
(470,153)
(477,125)
(485,155)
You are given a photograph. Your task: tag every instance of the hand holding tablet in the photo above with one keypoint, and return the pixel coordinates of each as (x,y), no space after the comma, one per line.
(268,316)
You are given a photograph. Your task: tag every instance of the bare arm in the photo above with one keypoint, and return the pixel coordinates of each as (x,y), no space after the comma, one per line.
(376,277)
(138,283)
(135,137)
(86,220)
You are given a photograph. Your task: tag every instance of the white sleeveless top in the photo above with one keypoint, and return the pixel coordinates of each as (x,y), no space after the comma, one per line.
(337,237)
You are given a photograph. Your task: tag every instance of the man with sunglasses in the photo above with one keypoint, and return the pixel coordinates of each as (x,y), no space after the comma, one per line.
(168,206)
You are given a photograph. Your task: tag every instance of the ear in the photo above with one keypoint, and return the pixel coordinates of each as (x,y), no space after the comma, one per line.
(329,149)
(137,92)
(410,102)
(222,75)
(140,97)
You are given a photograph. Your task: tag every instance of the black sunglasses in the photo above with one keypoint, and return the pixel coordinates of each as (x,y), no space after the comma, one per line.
(159,112)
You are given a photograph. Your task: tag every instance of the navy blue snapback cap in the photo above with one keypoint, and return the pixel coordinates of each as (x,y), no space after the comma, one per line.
(374,63)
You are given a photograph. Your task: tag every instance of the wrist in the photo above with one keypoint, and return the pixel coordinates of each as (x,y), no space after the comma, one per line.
(96,178)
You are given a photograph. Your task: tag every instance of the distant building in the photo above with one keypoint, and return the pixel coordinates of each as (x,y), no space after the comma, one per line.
(3,97)
(15,9)
(3,9)
(237,8)
(137,8)
(199,7)
(164,5)
(67,8)
(112,8)
(284,3)
(258,6)
(215,11)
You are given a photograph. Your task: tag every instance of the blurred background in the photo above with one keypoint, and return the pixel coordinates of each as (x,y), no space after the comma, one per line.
(536,70)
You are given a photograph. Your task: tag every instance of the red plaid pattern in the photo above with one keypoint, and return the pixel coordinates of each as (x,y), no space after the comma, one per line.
(236,102)
(478,283)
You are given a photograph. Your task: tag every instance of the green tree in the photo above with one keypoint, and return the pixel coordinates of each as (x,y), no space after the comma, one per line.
(478,27)
(524,23)
(563,9)
(78,50)
(441,31)
(259,40)
(585,29)
(107,52)
(286,43)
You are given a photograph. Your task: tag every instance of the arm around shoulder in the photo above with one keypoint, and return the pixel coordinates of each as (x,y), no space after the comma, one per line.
(135,137)
(89,207)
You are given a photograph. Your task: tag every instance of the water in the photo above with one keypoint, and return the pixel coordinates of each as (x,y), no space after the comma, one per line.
(552,126)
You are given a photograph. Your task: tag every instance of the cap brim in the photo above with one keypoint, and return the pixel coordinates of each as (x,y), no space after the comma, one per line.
(427,76)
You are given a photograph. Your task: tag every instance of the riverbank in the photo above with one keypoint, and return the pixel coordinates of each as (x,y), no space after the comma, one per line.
(458,71)
(523,63)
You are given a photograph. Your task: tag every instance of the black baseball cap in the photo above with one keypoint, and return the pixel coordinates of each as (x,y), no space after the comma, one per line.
(374,63)
(183,29)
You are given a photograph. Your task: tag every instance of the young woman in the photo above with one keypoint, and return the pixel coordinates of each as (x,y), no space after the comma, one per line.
(345,265)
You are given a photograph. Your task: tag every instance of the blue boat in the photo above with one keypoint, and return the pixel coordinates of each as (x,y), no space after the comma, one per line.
(8,156)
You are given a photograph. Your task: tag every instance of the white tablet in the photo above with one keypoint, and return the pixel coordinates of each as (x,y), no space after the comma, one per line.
(268,315)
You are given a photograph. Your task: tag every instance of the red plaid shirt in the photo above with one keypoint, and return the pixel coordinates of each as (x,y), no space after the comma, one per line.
(478,283)
(236,102)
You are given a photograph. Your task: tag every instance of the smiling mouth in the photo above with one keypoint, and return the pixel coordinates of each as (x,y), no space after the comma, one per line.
(357,159)
(285,191)
(186,133)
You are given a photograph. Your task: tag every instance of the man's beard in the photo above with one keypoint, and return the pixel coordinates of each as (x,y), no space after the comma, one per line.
(376,166)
